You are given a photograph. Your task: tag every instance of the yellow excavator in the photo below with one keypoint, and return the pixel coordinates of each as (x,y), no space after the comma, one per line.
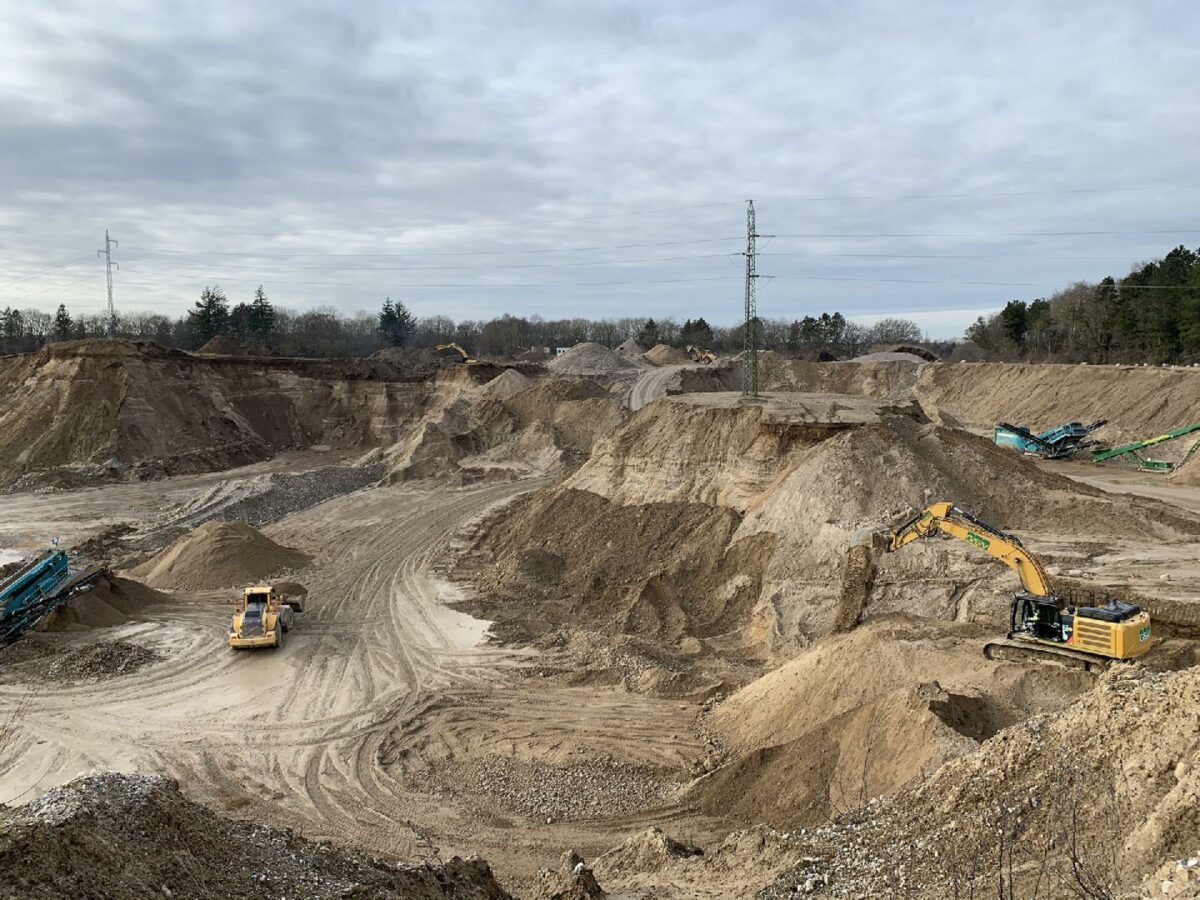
(455,352)
(1040,624)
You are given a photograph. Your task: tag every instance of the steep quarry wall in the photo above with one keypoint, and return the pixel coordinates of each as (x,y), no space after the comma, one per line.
(1138,401)
(149,411)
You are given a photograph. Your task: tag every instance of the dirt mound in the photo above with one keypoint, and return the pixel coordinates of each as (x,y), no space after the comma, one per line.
(666,355)
(647,851)
(823,734)
(629,347)
(658,570)
(592,359)
(228,345)
(412,361)
(111,600)
(218,555)
(103,660)
(506,384)
(1070,796)
(135,836)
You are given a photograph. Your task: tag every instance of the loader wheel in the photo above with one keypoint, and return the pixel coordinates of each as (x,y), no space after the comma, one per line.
(278,635)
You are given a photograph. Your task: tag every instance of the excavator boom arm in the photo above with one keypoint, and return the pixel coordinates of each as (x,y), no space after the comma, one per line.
(948,519)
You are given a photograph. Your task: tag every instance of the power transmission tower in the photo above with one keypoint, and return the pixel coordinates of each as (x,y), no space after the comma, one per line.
(109,243)
(750,328)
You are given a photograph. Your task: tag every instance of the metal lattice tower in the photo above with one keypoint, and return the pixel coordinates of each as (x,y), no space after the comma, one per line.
(109,243)
(750,327)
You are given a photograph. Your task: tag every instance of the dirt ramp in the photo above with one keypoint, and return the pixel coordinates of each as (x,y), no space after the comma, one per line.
(218,555)
(136,836)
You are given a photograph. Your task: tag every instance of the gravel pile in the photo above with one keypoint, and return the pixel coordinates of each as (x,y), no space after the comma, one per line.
(592,359)
(135,836)
(265,498)
(537,790)
(105,660)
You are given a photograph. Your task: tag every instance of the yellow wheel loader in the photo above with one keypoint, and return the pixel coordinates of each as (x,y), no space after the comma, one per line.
(263,618)
(1041,625)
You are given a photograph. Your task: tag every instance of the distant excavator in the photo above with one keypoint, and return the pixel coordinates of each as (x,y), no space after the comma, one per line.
(1041,625)
(455,352)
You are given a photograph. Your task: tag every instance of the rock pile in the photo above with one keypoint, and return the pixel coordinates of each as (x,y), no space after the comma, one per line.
(132,837)
(103,660)
(592,359)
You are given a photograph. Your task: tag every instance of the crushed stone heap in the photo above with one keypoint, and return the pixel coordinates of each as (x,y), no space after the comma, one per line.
(123,837)
(591,359)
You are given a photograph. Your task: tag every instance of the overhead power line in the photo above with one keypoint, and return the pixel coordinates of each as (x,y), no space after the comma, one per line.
(66,265)
(468,285)
(975,234)
(482,268)
(421,253)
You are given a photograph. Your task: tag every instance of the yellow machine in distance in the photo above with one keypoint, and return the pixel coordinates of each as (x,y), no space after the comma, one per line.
(262,618)
(1112,630)
(455,352)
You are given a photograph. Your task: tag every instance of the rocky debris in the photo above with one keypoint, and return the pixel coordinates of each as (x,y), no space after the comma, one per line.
(592,359)
(130,837)
(573,881)
(103,660)
(218,555)
(260,500)
(598,788)
(1067,797)
(1178,879)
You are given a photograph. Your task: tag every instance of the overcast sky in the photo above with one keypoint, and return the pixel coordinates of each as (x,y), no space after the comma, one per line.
(460,155)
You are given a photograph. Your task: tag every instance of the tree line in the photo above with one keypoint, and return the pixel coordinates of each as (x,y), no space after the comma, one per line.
(1152,315)
(325,332)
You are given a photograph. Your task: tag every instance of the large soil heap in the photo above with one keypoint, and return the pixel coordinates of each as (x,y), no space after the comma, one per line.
(705,519)
(218,555)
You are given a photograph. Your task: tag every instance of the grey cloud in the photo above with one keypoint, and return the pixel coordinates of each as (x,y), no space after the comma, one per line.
(351,127)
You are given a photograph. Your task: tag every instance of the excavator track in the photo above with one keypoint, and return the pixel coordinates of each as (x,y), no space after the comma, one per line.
(1016,650)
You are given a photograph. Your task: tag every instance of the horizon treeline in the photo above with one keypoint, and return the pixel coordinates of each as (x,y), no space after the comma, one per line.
(325,332)
(1152,315)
